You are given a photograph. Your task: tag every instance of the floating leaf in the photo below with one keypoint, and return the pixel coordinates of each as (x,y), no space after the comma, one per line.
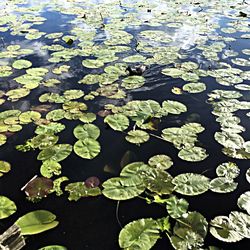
(123,188)
(137,136)
(222,229)
(57,185)
(55,153)
(223,185)
(195,87)
(92,182)
(44,141)
(193,154)
(82,132)
(191,184)
(244,202)
(133,82)
(7,207)
(92,64)
(3,139)
(176,208)
(248,175)
(78,190)
(21,64)
(117,122)
(228,169)
(157,180)
(4,167)
(50,168)
(141,234)
(87,148)
(53,247)
(233,141)
(241,223)
(36,222)
(160,161)
(38,188)
(174,107)
(189,231)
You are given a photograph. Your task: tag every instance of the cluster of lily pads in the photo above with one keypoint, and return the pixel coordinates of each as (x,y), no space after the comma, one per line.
(112,39)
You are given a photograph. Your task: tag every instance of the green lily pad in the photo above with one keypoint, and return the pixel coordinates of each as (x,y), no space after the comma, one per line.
(3,139)
(123,188)
(21,64)
(92,63)
(50,168)
(140,234)
(176,208)
(228,169)
(160,161)
(55,153)
(4,167)
(55,115)
(82,132)
(195,87)
(7,207)
(133,82)
(137,136)
(36,222)
(244,202)
(174,107)
(223,185)
(248,175)
(87,148)
(193,154)
(118,122)
(79,190)
(53,247)
(191,184)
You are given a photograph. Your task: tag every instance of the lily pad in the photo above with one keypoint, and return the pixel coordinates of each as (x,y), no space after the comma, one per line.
(118,122)
(79,190)
(4,167)
(244,202)
(7,207)
(141,234)
(82,132)
(223,185)
(87,148)
(123,188)
(193,154)
(160,161)
(21,64)
(191,184)
(55,153)
(36,222)
(137,136)
(174,107)
(228,169)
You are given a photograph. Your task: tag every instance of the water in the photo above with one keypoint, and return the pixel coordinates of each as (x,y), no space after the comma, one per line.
(91,223)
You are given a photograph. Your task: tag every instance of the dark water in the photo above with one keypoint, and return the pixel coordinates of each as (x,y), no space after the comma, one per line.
(91,223)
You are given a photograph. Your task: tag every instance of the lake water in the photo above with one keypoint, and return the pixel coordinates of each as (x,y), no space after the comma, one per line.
(210,34)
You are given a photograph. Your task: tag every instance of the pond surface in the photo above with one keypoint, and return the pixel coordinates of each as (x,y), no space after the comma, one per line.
(115,82)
